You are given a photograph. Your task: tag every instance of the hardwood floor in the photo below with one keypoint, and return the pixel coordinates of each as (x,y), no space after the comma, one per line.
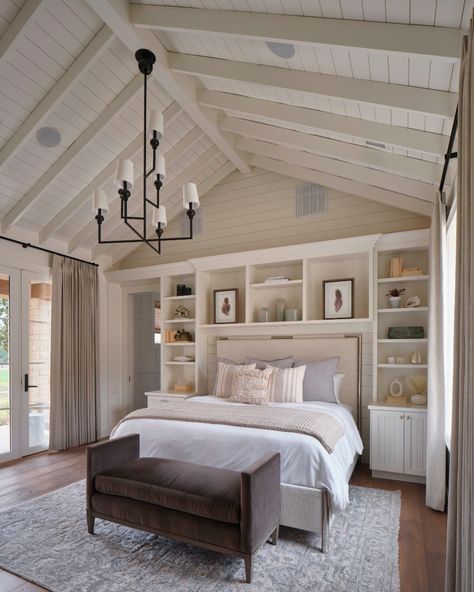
(422,531)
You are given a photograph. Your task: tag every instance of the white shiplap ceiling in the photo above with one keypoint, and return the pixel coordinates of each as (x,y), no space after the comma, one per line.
(229,102)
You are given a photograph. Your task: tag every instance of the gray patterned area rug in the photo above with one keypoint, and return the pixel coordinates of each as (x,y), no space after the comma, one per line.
(46,541)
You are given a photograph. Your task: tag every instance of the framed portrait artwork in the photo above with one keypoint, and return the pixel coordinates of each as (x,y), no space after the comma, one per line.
(226,306)
(338,299)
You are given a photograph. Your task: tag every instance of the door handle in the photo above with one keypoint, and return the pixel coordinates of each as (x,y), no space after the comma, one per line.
(28,386)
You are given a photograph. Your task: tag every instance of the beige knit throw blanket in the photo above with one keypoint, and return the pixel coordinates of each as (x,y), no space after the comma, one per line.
(321,426)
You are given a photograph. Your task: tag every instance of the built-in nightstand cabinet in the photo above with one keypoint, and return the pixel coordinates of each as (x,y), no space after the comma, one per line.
(155,398)
(398,442)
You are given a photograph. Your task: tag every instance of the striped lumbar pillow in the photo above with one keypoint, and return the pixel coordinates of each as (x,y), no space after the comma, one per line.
(225,373)
(251,386)
(286,385)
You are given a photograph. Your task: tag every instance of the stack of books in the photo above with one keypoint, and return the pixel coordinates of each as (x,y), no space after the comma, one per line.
(277,279)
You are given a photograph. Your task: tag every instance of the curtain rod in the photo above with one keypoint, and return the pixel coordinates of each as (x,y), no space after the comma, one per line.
(449,154)
(26,245)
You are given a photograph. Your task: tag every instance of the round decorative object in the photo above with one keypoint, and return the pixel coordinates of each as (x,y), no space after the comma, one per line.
(413,302)
(181,312)
(183,335)
(183,359)
(396,388)
(418,399)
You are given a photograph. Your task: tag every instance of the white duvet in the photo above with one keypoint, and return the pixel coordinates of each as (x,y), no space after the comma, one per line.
(304,461)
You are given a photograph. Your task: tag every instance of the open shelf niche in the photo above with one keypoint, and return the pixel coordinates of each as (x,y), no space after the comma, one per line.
(385,371)
(221,279)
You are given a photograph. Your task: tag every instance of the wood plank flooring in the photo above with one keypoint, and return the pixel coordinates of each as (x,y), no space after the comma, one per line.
(422,531)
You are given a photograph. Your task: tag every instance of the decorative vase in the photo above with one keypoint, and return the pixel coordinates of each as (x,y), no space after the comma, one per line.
(280,307)
(396,388)
(264,315)
(394,301)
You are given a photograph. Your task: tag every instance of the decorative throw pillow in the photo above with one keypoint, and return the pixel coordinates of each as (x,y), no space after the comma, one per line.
(225,373)
(251,386)
(318,382)
(337,381)
(225,361)
(279,363)
(286,385)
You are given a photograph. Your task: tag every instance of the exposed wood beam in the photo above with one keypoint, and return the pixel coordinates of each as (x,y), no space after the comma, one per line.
(401,137)
(23,20)
(431,42)
(414,189)
(203,188)
(411,98)
(391,198)
(114,213)
(87,136)
(423,170)
(168,190)
(115,13)
(92,51)
(129,152)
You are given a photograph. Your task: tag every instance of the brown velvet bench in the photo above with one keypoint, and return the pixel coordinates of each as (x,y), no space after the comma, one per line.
(227,511)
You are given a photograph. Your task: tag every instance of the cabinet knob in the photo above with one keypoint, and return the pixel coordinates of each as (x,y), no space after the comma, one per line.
(402,416)
(408,417)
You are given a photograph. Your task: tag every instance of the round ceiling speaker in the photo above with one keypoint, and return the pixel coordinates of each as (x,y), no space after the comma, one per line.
(282,50)
(49,137)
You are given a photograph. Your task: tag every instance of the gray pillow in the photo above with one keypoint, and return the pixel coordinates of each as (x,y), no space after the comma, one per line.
(280,363)
(318,384)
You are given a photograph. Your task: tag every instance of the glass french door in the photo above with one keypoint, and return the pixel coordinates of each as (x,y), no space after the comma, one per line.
(25,339)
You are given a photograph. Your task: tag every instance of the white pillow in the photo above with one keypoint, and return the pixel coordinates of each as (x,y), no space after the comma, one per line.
(225,373)
(337,380)
(286,384)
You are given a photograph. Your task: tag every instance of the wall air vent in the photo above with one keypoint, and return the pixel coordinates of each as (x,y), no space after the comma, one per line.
(311,200)
(198,223)
(373,144)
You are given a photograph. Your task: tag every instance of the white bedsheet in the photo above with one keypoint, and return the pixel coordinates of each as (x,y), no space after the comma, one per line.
(304,461)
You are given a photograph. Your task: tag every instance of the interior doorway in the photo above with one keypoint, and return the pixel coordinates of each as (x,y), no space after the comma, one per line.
(146,346)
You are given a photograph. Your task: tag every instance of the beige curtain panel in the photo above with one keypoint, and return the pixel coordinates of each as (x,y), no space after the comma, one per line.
(460,545)
(74,350)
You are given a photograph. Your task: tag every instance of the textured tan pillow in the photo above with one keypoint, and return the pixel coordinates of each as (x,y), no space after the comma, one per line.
(251,386)
(225,373)
(286,385)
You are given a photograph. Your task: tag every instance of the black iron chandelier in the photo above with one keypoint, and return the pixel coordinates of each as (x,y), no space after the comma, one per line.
(124,180)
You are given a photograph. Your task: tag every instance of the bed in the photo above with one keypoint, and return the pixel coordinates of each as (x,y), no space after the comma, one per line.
(314,483)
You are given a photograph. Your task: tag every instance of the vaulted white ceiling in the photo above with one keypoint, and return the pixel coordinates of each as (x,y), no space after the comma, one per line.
(366,102)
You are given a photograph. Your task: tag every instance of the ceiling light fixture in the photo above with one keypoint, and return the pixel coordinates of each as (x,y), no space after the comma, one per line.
(124,180)
(282,50)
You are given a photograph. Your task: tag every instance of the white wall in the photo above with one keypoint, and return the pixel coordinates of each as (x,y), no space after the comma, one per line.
(256,211)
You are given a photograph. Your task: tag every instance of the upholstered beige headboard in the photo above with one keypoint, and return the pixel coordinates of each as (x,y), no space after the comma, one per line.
(347,347)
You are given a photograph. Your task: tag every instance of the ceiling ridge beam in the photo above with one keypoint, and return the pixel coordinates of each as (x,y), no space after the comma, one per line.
(129,152)
(203,188)
(423,170)
(24,19)
(87,136)
(415,189)
(418,40)
(168,190)
(88,229)
(401,137)
(349,186)
(182,89)
(91,52)
(411,98)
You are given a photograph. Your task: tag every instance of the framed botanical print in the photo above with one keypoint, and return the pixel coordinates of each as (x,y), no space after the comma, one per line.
(338,299)
(226,306)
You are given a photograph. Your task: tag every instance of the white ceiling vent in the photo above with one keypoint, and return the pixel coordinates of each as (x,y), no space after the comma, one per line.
(311,200)
(198,223)
(373,144)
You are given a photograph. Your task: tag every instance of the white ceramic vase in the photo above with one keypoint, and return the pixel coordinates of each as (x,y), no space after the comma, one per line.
(394,301)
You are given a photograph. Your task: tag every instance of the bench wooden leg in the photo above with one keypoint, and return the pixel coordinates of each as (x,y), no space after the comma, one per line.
(275,535)
(90,522)
(248,568)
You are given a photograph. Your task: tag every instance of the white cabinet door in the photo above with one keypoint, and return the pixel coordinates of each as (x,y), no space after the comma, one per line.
(415,444)
(386,440)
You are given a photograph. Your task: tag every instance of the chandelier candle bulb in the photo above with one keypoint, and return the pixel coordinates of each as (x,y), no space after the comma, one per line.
(159,217)
(156,123)
(190,196)
(160,167)
(124,173)
(100,201)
